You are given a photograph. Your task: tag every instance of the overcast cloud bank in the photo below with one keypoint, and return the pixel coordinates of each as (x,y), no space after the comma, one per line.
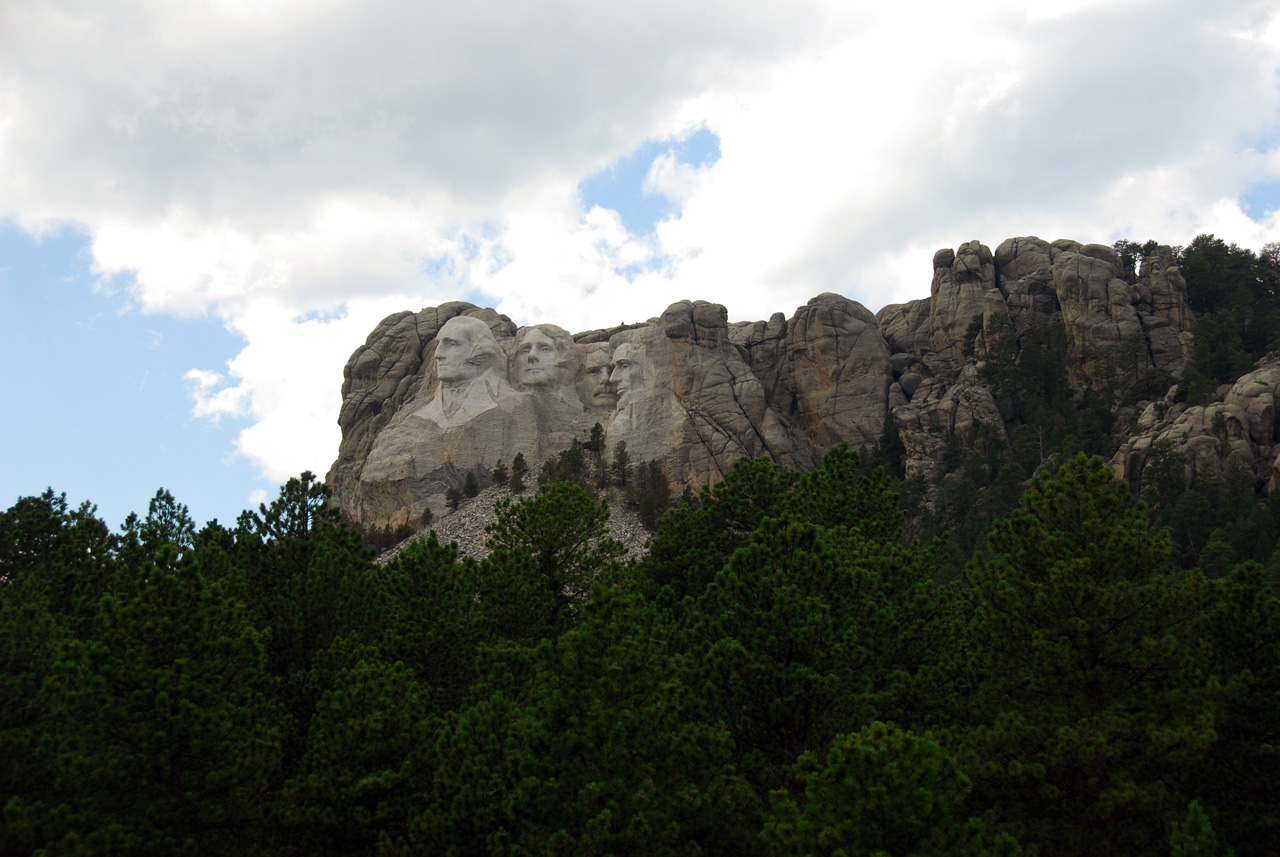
(300,170)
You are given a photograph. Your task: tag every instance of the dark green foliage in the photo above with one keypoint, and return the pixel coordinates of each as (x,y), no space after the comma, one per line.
(1164,478)
(878,791)
(570,465)
(379,538)
(650,493)
(595,443)
(160,736)
(971,334)
(559,537)
(1233,293)
(782,673)
(688,498)
(837,494)
(808,631)
(301,508)
(691,545)
(519,470)
(1240,770)
(1131,253)
(1084,704)
(369,722)
(167,523)
(55,563)
(453,498)
(68,553)
(620,469)
(1194,837)
(500,475)
(891,452)
(470,485)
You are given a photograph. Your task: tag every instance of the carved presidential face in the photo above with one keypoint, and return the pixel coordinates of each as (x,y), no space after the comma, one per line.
(596,390)
(628,376)
(536,359)
(464,348)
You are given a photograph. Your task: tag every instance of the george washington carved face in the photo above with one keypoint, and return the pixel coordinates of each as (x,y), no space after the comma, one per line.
(465,347)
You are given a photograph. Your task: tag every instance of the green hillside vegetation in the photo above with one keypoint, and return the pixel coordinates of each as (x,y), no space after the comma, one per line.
(1027,658)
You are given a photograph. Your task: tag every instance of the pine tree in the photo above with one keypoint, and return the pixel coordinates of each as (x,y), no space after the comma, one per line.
(878,791)
(621,468)
(692,545)
(595,444)
(1086,708)
(1236,779)
(558,536)
(164,740)
(1195,837)
(519,470)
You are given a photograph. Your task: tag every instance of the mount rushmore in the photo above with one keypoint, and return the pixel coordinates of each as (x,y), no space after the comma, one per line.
(452,389)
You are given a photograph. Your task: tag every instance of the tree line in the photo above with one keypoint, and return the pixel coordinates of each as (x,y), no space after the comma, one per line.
(787,671)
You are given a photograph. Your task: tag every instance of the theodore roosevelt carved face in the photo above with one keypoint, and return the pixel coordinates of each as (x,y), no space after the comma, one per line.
(595,390)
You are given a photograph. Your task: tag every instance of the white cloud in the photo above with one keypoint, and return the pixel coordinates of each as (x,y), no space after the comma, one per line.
(211,398)
(286,382)
(299,170)
(674,179)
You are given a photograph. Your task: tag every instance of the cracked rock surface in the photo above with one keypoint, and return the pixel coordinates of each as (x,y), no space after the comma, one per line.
(436,395)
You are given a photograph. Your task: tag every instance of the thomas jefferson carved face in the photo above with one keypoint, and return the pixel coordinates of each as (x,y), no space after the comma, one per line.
(628,376)
(544,358)
(596,391)
(465,347)
(536,359)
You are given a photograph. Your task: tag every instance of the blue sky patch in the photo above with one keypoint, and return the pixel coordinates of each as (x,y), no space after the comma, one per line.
(620,186)
(119,413)
(1260,200)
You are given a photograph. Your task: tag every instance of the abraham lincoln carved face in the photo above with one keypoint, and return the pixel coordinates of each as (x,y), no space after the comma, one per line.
(629,377)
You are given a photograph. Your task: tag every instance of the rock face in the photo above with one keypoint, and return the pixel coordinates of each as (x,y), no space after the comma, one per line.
(453,389)
(1241,426)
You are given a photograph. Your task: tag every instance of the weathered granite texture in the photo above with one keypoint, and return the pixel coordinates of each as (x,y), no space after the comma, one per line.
(456,388)
(436,393)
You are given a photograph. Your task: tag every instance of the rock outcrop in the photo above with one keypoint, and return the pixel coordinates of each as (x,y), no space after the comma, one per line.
(1240,426)
(453,389)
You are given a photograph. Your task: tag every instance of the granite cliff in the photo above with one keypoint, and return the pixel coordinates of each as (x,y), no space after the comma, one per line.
(436,393)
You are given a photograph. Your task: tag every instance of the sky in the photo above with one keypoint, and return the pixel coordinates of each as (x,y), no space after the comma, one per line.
(205,207)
